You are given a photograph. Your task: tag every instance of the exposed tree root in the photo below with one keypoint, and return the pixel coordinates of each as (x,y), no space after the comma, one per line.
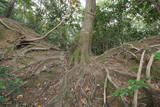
(133,47)
(40,49)
(75,83)
(78,85)
(148,69)
(37,67)
(125,73)
(3,23)
(138,78)
(105,91)
(114,84)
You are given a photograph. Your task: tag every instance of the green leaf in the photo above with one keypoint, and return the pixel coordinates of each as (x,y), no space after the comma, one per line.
(157,55)
(2,99)
(2,86)
(130,88)
(3,69)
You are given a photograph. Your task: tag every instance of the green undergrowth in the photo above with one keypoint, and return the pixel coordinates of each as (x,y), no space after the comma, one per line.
(134,84)
(9,85)
(130,88)
(157,55)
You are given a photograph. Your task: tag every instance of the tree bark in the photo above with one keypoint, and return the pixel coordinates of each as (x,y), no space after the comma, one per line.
(86,31)
(10,8)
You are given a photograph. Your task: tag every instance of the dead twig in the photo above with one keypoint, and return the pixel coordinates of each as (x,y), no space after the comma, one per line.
(135,102)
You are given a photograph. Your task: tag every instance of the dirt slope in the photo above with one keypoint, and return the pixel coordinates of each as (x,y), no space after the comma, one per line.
(43,65)
(39,62)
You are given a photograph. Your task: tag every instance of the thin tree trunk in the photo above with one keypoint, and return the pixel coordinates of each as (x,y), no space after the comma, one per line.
(86,31)
(10,8)
(135,102)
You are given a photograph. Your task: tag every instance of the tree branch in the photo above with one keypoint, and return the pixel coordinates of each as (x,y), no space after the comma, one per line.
(35,39)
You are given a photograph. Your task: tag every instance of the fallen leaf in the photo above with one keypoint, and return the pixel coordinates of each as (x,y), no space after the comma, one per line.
(83,100)
(39,105)
(19,97)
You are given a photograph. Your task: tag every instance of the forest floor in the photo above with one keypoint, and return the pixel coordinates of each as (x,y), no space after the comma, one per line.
(42,66)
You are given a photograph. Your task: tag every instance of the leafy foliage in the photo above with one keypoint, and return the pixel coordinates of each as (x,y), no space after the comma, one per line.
(8,83)
(3,6)
(130,88)
(118,22)
(157,55)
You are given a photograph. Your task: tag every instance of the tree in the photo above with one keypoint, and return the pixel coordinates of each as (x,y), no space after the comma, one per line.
(3,7)
(86,31)
(81,55)
(10,8)
(85,37)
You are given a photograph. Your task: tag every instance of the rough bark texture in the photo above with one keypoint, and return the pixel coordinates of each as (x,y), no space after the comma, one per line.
(86,31)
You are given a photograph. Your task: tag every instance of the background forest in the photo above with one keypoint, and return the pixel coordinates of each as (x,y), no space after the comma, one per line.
(116,23)
(79,53)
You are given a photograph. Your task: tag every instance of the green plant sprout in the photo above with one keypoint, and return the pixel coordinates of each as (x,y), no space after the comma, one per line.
(157,55)
(130,88)
(8,83)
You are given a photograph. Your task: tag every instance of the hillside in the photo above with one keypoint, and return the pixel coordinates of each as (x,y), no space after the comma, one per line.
(42,66)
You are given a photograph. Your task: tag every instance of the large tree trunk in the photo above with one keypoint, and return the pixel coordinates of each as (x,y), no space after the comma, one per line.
(10,8)
(86,31)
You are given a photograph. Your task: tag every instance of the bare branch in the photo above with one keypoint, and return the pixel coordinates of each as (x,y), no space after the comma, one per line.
(148,69)
(50,30)
(138,78)
(105,89)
